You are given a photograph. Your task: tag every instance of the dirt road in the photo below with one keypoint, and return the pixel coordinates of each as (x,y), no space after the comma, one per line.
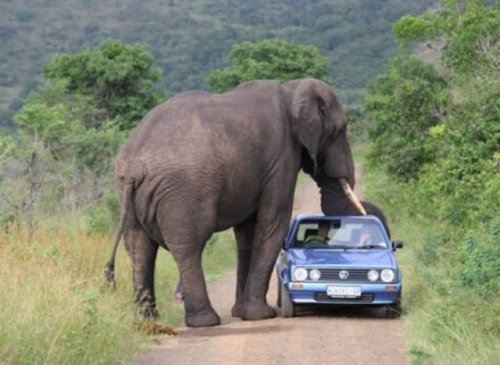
(355,336)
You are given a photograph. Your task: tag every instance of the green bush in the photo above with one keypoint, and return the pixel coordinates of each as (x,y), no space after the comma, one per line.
(116,78)
(98,219)
(273,59)
(403,104)
(113,206)
(479,256)
(450,277)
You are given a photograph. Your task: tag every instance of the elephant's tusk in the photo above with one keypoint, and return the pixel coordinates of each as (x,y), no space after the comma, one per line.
(352,197)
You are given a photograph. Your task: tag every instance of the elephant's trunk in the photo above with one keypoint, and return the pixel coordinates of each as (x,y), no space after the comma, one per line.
(350,194)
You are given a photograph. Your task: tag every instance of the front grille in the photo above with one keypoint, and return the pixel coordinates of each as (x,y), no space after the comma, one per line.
(323,298)
(355,275)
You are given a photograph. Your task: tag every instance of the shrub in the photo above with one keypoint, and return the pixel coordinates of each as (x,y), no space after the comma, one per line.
(98,219)
(403,104)
(479,267)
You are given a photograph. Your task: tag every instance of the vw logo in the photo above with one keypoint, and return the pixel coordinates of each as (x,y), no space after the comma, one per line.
(343,274)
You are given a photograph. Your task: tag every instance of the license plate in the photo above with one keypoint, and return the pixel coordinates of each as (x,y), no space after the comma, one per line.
(343,291)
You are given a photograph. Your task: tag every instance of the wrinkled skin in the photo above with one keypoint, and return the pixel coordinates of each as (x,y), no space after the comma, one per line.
(202,163)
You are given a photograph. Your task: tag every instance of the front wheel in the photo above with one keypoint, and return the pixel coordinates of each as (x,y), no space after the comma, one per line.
(392,311)
(278,300)
(287,306)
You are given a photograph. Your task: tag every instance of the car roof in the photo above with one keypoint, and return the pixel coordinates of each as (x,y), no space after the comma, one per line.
(318,217)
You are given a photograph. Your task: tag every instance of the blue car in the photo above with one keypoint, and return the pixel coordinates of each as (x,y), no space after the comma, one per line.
(344,260)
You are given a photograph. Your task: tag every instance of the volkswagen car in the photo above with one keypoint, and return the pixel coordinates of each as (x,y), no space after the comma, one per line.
(338,261)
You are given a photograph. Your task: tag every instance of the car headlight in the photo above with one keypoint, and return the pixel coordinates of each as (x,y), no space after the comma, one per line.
(299,274)
(373,275)
(387,275)
(314,274)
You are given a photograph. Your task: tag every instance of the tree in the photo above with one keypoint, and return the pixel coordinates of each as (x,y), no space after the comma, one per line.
(447,145)
(404,103)
(469,28)
(269,59)
(69,131)
(6,145)
(119,80)
(56,161)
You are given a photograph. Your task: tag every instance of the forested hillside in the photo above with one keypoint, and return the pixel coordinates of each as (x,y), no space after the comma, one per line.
(190,38)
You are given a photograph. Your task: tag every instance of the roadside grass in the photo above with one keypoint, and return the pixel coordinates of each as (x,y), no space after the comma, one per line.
(446,322)
(56,309)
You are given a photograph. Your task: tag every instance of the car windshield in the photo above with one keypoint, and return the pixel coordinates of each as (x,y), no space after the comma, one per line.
(340,234)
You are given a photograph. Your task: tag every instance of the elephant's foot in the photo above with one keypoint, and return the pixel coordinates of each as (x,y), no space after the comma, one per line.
(238,310)
(148,312)
(202,319)
(258,311)
(146,304)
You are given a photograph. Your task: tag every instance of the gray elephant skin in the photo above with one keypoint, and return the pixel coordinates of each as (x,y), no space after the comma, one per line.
(202,163)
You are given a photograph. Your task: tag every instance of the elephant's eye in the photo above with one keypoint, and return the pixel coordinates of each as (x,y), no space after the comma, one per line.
(340,131)
(322,112)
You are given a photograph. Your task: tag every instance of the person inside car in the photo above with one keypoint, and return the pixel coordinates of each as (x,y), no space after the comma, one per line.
(370,237)
(321,236)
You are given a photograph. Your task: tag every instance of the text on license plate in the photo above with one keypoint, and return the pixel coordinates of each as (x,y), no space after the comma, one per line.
(343,291)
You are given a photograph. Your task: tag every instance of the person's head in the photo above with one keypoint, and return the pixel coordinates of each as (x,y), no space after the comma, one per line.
(365,237)
(372,235)
(323,228)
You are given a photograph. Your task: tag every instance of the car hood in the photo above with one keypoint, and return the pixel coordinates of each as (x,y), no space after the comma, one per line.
(357,258)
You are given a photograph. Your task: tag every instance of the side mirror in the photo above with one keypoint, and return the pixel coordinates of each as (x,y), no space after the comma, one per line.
(396,245)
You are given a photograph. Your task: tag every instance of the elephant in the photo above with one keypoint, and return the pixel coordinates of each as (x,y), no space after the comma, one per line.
(202,163)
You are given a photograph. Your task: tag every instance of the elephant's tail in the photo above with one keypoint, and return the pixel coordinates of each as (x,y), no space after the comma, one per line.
(109,268)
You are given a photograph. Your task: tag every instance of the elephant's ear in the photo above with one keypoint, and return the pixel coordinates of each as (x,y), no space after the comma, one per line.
(308,113)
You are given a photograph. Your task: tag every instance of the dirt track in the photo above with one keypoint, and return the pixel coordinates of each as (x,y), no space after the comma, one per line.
(337,336)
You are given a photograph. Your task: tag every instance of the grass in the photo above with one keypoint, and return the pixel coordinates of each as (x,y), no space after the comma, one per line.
(445,322)
(56,309)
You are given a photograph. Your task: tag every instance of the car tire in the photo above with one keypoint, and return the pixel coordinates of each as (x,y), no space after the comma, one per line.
(392,311)
(287,306)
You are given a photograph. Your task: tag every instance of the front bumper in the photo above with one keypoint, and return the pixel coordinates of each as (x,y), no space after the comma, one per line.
(371,294)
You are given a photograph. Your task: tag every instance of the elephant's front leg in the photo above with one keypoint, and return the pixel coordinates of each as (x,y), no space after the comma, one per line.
(244,233)
(269,234)
(143,253)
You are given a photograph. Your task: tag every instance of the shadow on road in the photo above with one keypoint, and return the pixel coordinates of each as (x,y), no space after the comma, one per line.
(344,312)
(233,331)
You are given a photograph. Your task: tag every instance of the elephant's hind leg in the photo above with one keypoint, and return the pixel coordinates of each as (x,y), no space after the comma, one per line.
(186,240)
(142,250)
